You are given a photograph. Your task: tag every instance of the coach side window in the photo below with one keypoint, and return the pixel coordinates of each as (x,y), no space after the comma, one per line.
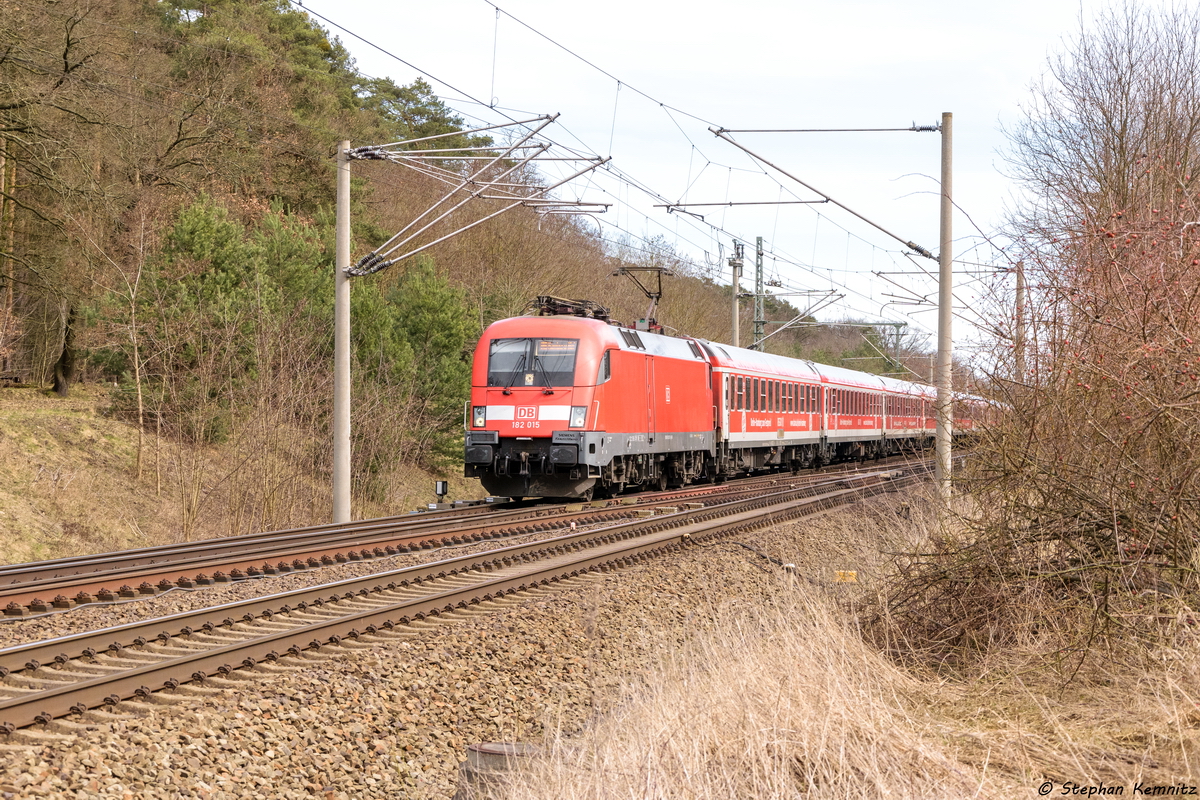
(741,393)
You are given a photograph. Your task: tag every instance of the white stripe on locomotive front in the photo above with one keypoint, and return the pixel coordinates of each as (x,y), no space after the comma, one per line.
(548,413)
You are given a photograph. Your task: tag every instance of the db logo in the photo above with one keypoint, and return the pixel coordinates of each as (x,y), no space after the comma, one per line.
(526,412)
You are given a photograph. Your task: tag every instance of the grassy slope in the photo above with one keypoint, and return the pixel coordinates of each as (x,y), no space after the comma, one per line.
(788,700)
(68,484)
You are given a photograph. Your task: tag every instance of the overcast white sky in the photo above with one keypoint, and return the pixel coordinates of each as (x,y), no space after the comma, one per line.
(757,64)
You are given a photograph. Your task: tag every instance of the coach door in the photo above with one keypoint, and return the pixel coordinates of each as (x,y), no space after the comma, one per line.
(824,394)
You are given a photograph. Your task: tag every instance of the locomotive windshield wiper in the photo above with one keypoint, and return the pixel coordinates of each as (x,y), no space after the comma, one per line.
(537,364)
(513,375)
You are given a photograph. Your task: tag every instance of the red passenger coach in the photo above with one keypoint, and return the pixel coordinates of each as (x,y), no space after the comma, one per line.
(568,406)
(786,412)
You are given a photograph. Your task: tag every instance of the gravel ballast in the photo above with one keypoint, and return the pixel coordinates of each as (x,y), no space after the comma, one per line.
(95,616)
(389,717)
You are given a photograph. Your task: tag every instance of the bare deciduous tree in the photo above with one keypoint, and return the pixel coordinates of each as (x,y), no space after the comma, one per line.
(1086,485)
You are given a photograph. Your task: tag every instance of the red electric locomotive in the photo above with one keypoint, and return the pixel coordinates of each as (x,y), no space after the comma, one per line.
(567,406)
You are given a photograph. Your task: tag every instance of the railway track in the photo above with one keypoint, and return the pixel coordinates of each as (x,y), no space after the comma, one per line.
(49,586)
(43,681)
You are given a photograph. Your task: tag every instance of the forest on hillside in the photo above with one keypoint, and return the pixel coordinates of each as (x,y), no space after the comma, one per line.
(166,226)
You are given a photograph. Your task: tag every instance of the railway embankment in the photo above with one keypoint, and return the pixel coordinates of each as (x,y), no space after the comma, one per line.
(393,717)
(710,666)
(69,482)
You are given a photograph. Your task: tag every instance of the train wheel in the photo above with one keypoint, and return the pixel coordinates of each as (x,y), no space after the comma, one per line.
(662,481)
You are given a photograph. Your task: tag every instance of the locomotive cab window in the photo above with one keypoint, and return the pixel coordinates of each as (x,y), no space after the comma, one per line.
(532,362)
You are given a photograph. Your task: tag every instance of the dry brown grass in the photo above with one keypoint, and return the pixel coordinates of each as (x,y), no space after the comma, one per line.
(778,702)
(792,700)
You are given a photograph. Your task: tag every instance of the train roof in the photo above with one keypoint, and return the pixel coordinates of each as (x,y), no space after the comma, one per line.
(726,356)
(722,356)
(570,326)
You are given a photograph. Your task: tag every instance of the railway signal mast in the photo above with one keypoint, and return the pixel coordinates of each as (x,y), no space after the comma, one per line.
(760,314)
(735,263)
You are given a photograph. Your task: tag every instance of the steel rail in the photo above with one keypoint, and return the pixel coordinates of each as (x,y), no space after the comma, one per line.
(60,649)
(64,567)
(296,550)
(603,547)
(421,519)
(303,555)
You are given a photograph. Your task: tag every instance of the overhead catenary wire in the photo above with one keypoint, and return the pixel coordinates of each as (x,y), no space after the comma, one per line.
(612,170)
(907,243)
(709,230)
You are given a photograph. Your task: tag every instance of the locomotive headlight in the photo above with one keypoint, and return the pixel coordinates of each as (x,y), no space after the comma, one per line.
(578,416)
(479,416)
